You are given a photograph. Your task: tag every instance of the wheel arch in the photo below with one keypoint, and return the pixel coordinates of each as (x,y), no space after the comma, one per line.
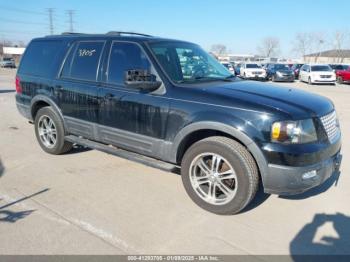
(198,131)
(40,101)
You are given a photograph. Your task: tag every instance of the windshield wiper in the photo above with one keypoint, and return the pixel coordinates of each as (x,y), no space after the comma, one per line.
(230,77)
(193,80)
(227,78)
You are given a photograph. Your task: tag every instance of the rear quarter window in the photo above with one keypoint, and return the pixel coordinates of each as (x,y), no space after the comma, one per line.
(40,57)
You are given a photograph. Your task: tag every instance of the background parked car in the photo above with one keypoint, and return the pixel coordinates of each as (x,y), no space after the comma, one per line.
(317,73)
(338,67)
(252,71)
(343,76)
(8,62)
(265,66)
(279,72)
(229,66)
(296,69)
(237,68)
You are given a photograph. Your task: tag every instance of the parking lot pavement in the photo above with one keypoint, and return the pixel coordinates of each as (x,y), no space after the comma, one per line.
(89,202)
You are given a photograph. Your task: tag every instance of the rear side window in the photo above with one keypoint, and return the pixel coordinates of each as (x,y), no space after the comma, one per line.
(40,57)
(125,56)
(83,61)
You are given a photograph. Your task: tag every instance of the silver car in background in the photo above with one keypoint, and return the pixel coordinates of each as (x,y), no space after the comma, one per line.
(8,62)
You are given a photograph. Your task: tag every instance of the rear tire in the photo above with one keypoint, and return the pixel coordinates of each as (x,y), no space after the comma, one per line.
(49,131)
(240,185)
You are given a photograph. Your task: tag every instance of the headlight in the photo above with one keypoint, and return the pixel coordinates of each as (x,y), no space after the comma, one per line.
(294,132)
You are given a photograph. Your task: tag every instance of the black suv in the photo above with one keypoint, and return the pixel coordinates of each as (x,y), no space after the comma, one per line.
(168,103)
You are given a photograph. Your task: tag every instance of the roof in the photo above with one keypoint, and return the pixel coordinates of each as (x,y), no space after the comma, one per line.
(135,37)
(332,53)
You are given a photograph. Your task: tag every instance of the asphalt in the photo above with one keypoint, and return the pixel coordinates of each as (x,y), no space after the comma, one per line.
(89,202)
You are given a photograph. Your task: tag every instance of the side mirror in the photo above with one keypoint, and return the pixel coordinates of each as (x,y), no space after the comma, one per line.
(141,79)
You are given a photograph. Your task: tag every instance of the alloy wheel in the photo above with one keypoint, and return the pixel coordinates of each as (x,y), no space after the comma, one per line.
(47,131)
(213,178)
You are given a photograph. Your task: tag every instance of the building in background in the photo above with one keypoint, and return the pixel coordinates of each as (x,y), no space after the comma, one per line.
(14,52)
(329,57)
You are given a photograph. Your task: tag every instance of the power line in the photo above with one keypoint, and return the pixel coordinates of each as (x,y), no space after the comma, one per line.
(13,9)
(19,32)
(20,22)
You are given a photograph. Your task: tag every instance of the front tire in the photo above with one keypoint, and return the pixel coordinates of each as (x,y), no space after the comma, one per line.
(340,80)
(49,131)
(219,175)
(309,81)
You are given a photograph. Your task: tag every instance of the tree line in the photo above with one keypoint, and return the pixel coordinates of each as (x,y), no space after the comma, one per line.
(304,43)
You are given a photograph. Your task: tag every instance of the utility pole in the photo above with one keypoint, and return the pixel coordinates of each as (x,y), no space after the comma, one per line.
(70,21)
(50,12)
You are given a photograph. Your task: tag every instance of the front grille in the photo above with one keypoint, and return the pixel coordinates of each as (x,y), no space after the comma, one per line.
(325,76)
(330,124)
(257,73)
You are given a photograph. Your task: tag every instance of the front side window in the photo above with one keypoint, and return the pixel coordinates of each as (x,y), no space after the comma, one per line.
(86,58)
(125,56)
(188,63)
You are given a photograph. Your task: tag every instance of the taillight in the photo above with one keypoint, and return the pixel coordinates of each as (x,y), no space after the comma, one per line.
(18,85)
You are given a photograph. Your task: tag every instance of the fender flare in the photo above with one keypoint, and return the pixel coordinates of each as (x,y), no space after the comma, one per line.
(38,98)
(234,132)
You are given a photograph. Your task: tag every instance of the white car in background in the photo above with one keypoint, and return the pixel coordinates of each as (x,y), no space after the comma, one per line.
(317,74)
(252,71)
(229,66)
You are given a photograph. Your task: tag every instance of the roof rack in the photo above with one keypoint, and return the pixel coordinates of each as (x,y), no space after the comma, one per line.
(118,33)
(72,33)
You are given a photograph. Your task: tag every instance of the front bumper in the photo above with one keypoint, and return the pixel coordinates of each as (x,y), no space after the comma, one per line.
(323,80)
(8,65)
(289,180)
(256,77)
(288,78)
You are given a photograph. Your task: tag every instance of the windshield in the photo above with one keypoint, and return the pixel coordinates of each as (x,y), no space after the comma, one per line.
(188,63)
(252,66)
(281,67)
(323,68)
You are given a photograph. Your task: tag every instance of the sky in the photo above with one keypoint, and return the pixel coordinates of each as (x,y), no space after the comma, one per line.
(240,25)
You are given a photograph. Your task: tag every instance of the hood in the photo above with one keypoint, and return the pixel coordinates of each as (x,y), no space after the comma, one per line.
(295,103)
